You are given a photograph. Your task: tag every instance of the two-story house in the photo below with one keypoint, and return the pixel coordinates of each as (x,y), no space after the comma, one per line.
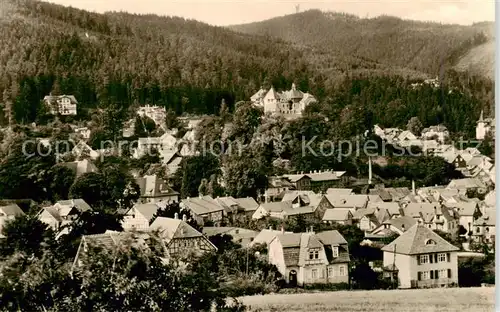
(154,190)
(139,216)
(310,258)
(277,187)
(204,209)
(62,213)
(484,228)
(317,180)
(181,240)
(421,259)
(344,202)
(468,212)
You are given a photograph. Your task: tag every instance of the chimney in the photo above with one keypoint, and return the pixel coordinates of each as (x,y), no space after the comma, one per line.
(176,216)
(270,228)
(403,227)
(282,230)
(413,190)
(312,230)
(184,218)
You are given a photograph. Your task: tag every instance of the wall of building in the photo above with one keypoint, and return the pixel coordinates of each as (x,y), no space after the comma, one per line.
(403,264)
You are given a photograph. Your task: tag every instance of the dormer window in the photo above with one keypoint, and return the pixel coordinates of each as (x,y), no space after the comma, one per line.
(335,251)
(430,242)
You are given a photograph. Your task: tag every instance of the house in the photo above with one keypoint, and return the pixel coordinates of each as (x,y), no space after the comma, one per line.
(84,132)
(337,216)
(240,235)
(154,190)
(8,213)
(61,104)
(317,180)
(433,215)
(390,227)
(420,258)
(82,150)
(247,205)
(112,242)
(81,167)
(139,217)
(166,143)
(485,228)
(156,113)
(62,213)
(310,258)
(346,202)
(389,194)
(439,133)
(406,136)
(393,209)
(288,103)
(172,160)
(283,210)
(368,219)
(484,127)
(265,236)
(468,184)
(203,209)
(339,191)
(181,240)
(276,188)
(468,212)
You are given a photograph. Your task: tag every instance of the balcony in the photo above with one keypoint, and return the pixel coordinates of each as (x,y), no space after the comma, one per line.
(433,283)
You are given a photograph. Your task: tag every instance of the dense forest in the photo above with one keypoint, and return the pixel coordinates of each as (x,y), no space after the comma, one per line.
(190,67)
(422,46)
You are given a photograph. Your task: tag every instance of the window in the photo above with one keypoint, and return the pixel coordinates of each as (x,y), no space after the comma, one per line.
(443,273)
(342,270)
(477,229)
(316,254)
(424,259)
(487,229)
(442,257)
(314,273)
(311,255)
(335,252)
(330,272)
(425,275)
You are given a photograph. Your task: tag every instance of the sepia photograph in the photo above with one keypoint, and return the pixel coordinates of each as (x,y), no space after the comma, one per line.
(247,155)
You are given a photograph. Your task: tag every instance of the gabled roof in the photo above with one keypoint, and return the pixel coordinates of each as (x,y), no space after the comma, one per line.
(402,223)
(421,209)
(147,210)
(488,219)
(78,203)
(419,240)
(112,240)
(173,228)
(247,203)
(202,205)
(229,204)
(466,184)
(347,201)
(266,236)
(153,186)
(336,215)
(12,210)
(339,191)
(51,98)
(277,206)
(392,207)
(464,208)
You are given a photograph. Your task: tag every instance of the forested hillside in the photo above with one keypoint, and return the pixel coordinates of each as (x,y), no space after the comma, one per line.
(189,66)
(422,46)
(124,58)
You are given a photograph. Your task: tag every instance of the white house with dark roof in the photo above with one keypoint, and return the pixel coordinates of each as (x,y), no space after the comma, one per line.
(389,227)
(421,259)
(318,180)
(265,236)
(345,202)
(203,209)
(61,104)
(311,258)
(468,212)
(484,126)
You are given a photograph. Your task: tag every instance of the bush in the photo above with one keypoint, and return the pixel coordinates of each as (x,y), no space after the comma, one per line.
(242,285)
(327,287)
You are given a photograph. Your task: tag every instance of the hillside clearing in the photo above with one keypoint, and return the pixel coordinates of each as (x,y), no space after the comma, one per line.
(424,300)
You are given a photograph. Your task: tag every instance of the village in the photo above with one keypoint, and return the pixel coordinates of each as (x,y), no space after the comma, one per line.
(419,234)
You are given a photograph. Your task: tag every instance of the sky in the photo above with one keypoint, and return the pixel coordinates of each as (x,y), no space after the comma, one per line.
(230,12)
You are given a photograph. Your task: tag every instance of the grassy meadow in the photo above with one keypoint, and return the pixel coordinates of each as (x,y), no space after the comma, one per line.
(422,300)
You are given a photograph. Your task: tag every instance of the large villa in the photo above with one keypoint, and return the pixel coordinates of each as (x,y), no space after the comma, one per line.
(289,103)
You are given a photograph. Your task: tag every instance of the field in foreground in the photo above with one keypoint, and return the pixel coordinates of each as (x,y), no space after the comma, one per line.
(422,300)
